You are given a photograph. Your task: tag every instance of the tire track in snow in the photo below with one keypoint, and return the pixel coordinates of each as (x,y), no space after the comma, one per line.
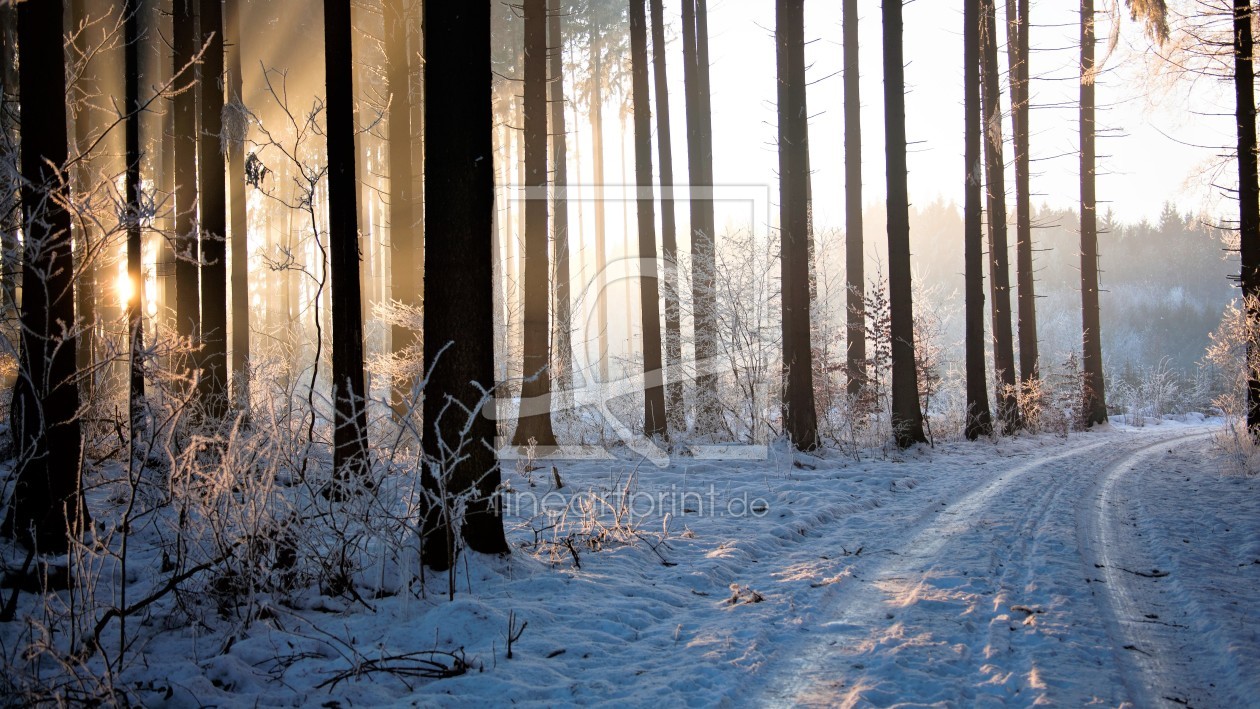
(821,674)
(1148,613)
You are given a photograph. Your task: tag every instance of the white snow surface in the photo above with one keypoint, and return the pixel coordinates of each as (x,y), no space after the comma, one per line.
(1116,567)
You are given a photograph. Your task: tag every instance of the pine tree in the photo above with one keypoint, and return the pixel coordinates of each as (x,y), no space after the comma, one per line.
(979,419)
(213,189)
(855,280)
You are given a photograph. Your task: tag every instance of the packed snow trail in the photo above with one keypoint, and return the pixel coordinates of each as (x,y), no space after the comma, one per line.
(995,600)
(1178,652)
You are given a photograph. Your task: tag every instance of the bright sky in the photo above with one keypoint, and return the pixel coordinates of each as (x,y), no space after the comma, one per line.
(1140,168)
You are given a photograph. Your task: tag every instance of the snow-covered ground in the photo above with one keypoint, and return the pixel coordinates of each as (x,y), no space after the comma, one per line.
(1112,567)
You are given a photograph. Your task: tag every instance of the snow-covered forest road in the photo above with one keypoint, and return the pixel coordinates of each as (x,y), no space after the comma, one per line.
(1057,580)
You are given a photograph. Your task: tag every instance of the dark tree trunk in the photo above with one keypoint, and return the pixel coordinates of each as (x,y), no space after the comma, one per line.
(1017,54)
(562,357)
(979,419)
(535,415)
(350,456)
(1091,360)
(405,251)
(654,422)
(674,411)
(999,253)
(700,165)
(213,189)
(1248,198)
(855,278)
(907,417)
(597,164)
(135,316)
(10,219)
(240,220)
(187,290)
(459,312)
(46,508)
(801,420)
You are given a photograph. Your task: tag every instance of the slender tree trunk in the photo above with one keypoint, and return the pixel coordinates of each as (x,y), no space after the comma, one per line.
(458,319)
(535,415)
(1248,199)
(855,279)
(350,456)
(405,254)
(166,247)
(187,289)
(240,219)
(1091,360)
(907,417)
(213,215)
(135,299)
(10,220)
(597,164)
(799,415)
(999,253)
(654,421)
(85,245)
(562,359)
(700,166)
(979,419)
(669,244)
(1017,55)
(46,508)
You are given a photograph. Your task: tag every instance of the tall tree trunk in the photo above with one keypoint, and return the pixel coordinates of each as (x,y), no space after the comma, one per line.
(654,421)
(46,508)
(1017,55)
(240,219)
(166,265)
(999,253)
(405,254)
(800,418)
(562,357)
(187,290)
(458,319)
(135,244)
(674,411)
(350,456)
(535,415)
(979,419)
(700,166)
(1091,359)
(210,164)
(597,164)
(907,417)
(855,279)
(10,220)
(1248,199)
(85,243)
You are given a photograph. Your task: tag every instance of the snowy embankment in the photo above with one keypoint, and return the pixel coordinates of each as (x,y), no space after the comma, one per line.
(1119,565)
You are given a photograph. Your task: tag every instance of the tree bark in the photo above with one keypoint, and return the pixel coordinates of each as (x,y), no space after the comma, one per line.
(855,278)
(801,421)
(213,189)
(187,271)
(979,419)
(350,456)
(562,356)
(458,317)
(1248,199)
(535,415)
(669,244)
(1095,405)
(999,253)
(405,249)
(240,219)
(85,287)
(46,508)
(135,299)
(654,416)
(700,167)
(597,164)
(907,417)
(1017,52)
